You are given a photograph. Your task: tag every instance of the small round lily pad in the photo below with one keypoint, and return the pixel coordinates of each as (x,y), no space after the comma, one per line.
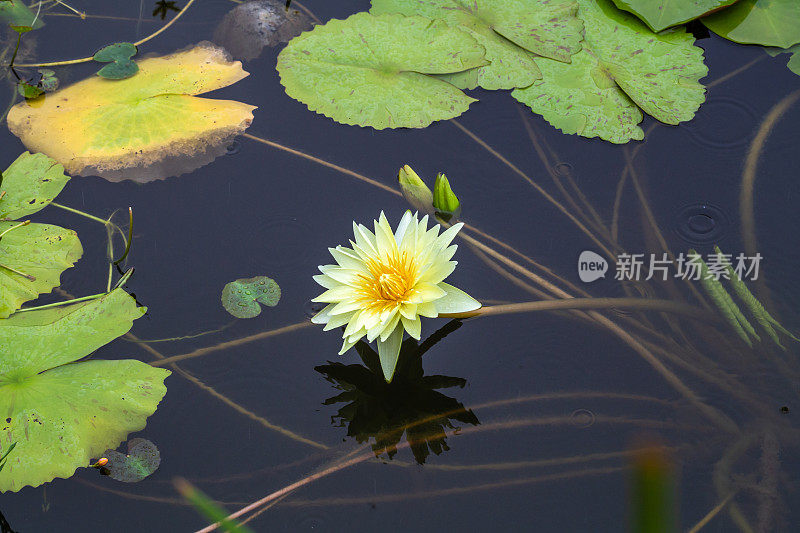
(241,298)
(118,56)
(142,460)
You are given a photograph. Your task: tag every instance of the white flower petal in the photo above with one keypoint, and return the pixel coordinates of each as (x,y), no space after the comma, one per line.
(455,300)
(384,238)
(326,281)
(346,258)
(346,306)
(323,317)
(334,295)
(389,352)
(364,238)
(426,292)
(403,226)
(427,309)
(413,327)
(390,327)
(336,321)
(346,345)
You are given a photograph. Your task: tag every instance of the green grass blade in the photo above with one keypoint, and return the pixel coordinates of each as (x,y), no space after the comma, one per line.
(755,307)
(206,507)
(730,311)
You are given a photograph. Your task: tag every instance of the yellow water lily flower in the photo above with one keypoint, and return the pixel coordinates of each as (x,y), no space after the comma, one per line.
(388,280)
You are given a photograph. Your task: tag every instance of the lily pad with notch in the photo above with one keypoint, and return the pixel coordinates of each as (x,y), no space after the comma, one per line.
(142,459)
(136,126)
(373,70)
(32,256)
(764,22)
(118,56)
(662,14)
(60,412)
(623,67)
(242,297)
(513,32)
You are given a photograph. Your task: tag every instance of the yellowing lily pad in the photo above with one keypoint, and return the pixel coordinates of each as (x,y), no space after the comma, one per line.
(371,70)
(61,413)
(98,125)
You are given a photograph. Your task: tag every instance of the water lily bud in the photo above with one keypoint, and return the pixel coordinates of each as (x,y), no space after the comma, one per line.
(103,461)
(414,190)
(445,200)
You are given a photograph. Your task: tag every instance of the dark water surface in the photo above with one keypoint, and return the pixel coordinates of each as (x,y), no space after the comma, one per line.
(263,211)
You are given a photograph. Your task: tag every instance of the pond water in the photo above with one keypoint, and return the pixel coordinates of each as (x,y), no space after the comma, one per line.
(543,408)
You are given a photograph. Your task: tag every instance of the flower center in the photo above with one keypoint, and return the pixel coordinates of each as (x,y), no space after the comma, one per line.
(391,286)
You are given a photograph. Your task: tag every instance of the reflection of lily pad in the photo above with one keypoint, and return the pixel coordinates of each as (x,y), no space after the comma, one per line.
(371,70)
(241,297)
(118,56)
(512,31)
(765,22)
(32,257)
(141,460)
(247,28)
(61,413)
(662,14)
(623,63)
(97,125)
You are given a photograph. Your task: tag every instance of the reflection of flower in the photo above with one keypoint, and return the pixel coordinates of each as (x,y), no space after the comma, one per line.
(387,281)
(410,404)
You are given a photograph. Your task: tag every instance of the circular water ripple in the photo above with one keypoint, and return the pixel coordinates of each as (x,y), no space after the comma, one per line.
(723,122)
(582,418)
(701,223)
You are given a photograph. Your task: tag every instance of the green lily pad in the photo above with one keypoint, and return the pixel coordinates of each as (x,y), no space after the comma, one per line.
(512,31)
(33,256)
(30,183)
(241,298)
(18,14)
(32,259)
(371,70)
(118,55)
(622,63)
(141,460)
(765,22)
(662,14)
(61,413)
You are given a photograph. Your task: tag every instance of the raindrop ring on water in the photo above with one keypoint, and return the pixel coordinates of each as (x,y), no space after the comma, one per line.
(582,418)
(701,224)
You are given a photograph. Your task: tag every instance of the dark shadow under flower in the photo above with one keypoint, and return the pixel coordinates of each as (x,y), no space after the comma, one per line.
(411,404)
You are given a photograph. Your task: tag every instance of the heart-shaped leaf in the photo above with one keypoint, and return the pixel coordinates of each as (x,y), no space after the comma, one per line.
(662,14)
(765,22)
(371,70)
(142,459)
(241,298)
(98,126)
(622,63)
(118,55)
(512,31)
(61,413)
